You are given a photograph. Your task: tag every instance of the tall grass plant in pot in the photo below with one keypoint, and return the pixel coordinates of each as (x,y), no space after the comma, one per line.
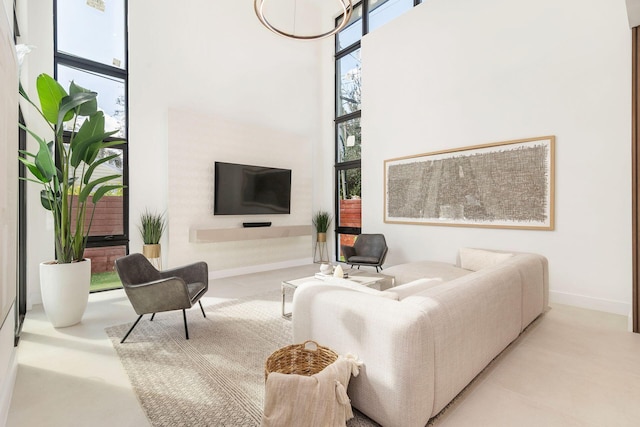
(321,221)
(64,165)
(152,226)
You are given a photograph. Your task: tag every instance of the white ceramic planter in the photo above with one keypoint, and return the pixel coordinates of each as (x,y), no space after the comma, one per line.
(65,291)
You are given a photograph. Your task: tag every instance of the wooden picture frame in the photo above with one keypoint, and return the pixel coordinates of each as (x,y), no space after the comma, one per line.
(499,185)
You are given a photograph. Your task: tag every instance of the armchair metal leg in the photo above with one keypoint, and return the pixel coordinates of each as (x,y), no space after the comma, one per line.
(186,329)
(152,316)
(199,302)
(131,329)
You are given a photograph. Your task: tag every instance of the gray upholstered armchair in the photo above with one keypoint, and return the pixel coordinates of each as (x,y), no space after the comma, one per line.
(369,249)
(153,291)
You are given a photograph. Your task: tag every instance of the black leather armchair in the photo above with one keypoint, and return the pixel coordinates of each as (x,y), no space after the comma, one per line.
(369,249)
(153,291)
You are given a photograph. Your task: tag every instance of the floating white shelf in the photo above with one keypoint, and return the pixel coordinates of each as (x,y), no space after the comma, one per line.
(212,235)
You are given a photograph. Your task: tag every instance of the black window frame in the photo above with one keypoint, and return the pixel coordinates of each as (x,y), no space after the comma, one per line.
(339,119)
(84,64)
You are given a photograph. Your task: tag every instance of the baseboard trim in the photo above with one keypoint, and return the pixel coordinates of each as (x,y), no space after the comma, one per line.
(218,274)
(598,304)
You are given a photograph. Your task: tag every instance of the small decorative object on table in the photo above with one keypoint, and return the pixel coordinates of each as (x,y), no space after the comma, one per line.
(338,272)
(326,269)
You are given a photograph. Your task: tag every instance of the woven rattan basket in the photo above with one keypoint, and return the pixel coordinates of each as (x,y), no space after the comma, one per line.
(300,360)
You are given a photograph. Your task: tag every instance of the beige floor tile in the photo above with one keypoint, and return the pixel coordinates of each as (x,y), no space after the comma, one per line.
(570,384)
(576,365)
(492,406)
(600,337)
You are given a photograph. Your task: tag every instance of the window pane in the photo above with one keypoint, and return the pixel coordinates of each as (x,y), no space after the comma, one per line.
(111,95)
(345,240)
(92,29)
(383,11)
(350,212)
(108,218)
(349,140)
(103,275)
(349,83)
(352,32)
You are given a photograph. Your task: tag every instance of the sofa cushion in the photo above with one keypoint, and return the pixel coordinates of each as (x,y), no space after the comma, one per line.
(365,259)
(477,259)
(414,287)
(405,273)
(345,283)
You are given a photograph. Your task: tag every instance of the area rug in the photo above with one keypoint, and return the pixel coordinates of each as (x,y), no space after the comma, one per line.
(216,378)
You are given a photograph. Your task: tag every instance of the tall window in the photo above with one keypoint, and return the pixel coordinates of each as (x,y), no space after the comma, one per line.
(91,49)
(367,15)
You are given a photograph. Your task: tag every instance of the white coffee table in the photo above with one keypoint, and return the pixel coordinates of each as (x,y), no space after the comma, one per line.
(365,278)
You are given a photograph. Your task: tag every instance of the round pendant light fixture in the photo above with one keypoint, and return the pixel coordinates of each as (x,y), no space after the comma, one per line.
(347,8)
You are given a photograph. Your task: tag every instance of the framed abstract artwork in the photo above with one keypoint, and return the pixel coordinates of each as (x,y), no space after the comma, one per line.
(499,185)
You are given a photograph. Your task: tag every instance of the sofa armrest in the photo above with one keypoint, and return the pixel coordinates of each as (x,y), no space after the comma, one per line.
(396,385)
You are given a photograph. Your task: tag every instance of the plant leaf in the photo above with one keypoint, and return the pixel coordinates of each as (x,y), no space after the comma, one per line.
(112,143)
(86,191)
(26,153)
(68,105)
(94,165)
(88,140)
(88,108)
(45,162)
(22,92)
(50,94)
(47,200)
(43,158)
(34,170)
(100,192)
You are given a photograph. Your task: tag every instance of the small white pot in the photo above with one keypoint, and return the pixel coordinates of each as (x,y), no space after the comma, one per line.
(65,291)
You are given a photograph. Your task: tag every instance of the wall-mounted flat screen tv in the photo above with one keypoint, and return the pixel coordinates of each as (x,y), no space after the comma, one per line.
(251,190)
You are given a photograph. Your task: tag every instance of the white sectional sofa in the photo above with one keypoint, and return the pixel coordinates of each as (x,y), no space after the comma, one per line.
(425,339)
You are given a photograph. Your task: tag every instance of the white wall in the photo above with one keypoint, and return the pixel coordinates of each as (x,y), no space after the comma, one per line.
(196,142)
(8,207)
(36,29)
(454,73)
(213,59)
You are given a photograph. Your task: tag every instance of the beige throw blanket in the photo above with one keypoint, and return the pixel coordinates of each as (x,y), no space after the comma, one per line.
(318,400)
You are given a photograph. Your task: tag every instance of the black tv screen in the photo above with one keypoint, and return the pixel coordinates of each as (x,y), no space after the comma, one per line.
(251,190)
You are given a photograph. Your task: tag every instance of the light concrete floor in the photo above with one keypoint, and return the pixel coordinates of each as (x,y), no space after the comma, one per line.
(572,367)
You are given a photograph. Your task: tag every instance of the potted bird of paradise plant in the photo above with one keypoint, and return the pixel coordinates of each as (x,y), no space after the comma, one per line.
(65,165)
